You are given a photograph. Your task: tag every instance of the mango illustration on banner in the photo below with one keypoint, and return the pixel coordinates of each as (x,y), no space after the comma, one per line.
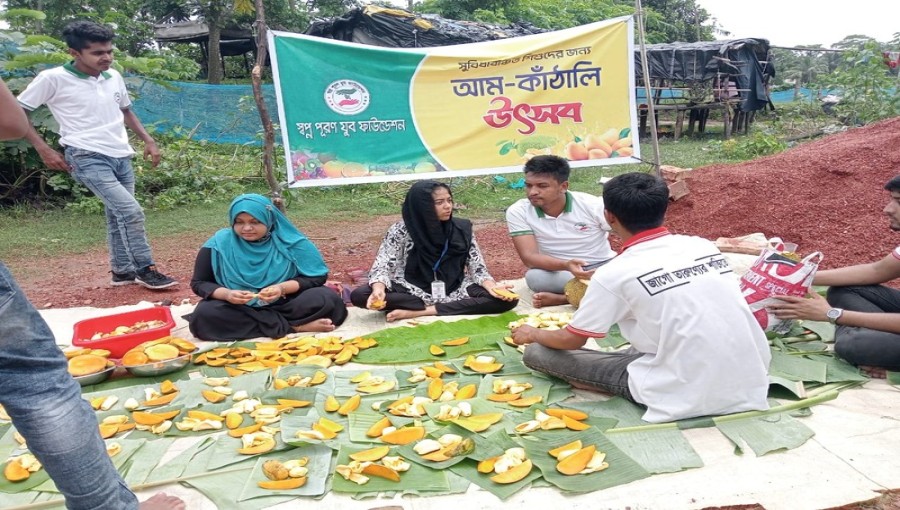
(311,165)
(613,143)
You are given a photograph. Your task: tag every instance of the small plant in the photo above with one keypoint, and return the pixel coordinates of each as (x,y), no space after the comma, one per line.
(752,146)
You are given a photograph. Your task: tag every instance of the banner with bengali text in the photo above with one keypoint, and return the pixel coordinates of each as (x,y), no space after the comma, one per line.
(353,113)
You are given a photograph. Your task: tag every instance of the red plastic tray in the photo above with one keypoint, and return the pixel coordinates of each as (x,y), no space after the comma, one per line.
(120,344)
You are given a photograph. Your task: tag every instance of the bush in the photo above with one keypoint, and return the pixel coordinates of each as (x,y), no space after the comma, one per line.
(752,146)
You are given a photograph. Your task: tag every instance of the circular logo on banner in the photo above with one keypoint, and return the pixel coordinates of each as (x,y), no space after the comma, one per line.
(347,97)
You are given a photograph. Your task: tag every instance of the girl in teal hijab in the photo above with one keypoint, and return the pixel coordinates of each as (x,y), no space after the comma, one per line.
(261,278)
(282,253)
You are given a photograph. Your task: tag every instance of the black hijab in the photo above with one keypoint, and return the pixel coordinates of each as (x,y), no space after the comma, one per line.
(430,236)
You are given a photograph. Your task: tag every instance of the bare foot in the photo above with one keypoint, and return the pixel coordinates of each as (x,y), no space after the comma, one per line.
(317,326)
(163,501)
(542,299)
(396,315)
(873,372)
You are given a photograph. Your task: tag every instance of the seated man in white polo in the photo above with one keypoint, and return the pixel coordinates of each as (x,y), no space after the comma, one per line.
(558,234)
(696,349)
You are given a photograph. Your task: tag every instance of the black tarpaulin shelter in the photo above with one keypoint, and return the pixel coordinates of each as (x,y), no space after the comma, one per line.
(233,40)
(743,64)
(397,28)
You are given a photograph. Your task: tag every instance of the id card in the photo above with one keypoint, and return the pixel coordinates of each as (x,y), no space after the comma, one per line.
(438,291)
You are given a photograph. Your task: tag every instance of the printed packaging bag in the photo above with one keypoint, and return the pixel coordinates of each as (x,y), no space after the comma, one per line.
(777,272)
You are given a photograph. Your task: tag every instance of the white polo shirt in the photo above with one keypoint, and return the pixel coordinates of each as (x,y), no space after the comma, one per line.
(579,232)
(675,299)
(88,109)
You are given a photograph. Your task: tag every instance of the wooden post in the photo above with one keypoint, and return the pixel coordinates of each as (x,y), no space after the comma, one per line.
(645,69)
(269,131)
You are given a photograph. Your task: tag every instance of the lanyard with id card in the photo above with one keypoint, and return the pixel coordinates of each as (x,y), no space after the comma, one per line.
(438,289)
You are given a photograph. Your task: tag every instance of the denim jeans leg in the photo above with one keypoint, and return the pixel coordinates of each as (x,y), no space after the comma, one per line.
(584,368)
(112,180)
(46,407)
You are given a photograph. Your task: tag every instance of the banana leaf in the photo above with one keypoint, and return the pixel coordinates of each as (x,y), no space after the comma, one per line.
(622,468)
(362,420)
(893,378)
(177,466)
(224,486)
(310,394)
(145,460)
(319,466)
(468,469)
(189,394)
(122,393)
(8,500)
(559,392)
(512,365)
(421,388)
(765,434)
(225,451)
(612,341)
(291,424)
(479,407)
(540,387)
(838,370)
(825,330)
(399,345)
(484,448)
(795,388)
(128,380)
(343,387)
(326,387)
(415,480)
(797,368)
(662,451)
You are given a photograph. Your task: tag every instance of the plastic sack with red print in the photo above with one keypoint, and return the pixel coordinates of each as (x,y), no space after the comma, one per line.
(778,271)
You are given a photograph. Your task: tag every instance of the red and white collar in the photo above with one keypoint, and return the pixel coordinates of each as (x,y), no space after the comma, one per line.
(646,235)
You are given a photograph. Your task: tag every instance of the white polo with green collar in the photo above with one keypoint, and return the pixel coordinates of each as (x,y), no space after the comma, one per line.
(88,109)
(579,232)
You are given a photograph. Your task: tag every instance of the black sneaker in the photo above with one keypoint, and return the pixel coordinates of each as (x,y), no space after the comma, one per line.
(152,279)
(118,279)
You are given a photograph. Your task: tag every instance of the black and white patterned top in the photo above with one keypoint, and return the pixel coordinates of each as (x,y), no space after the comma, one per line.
(390,266)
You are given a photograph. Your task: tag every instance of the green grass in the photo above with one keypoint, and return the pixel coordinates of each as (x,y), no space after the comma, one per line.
(28,232)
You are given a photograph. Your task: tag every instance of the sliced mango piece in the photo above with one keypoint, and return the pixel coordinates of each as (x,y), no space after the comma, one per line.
(573,424)
(571,413)
(213,396)
(573,464)
(404,435)
(283,485)
(372,454)
(14,472)
(456,341)
(332,404)
(436,351)
(574,445)
(350,405)
(514,474)
(376,429)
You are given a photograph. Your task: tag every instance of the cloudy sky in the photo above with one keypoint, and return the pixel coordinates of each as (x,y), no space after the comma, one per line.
(800,22)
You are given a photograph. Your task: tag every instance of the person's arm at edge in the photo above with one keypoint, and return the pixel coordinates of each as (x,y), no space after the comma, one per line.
(872,273)
(561,339)
(13,124)
(527,247)
(203,282)
(151,151)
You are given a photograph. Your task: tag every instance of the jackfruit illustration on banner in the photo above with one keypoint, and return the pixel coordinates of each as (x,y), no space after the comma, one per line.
(353,113)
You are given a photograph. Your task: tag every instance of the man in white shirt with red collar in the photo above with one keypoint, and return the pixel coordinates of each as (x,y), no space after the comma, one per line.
(89,101)
(865,313)
(558,234)
(696,349)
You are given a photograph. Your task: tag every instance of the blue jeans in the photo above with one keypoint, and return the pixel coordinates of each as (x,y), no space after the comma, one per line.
(112,180)
(46,407)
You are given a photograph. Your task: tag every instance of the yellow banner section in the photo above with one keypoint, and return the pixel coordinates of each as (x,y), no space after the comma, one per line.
(494,105)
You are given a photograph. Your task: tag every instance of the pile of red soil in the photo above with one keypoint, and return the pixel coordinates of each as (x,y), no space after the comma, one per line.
(826,195)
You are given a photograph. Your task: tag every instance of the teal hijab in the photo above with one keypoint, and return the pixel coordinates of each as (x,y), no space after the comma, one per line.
(281,255)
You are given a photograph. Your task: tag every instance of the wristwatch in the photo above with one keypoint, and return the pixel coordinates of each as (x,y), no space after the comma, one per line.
(834,314)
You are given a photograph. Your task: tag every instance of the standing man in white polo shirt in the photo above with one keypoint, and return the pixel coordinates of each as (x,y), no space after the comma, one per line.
(89,101)
(558,234)
(696,349)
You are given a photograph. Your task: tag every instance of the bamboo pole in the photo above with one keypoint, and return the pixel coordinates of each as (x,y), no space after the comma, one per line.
(269,131)
(645,69)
